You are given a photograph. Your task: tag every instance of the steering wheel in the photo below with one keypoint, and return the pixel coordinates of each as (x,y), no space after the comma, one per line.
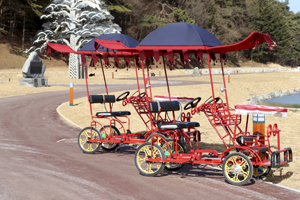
(216,100)
(123,96)
(142,94)
(192,104)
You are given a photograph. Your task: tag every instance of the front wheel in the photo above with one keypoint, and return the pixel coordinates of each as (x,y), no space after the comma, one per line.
(145,167)
(84,136)
(180,149)
(109,131)
(237,169)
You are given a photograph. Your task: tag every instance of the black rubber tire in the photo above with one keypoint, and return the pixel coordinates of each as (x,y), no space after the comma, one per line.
(233,172)
(85,134)
(109,146)
(174,166)
(148,168)
(261,171)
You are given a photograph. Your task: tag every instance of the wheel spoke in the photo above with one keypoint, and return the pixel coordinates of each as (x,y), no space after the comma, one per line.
(245,173)
(233,159)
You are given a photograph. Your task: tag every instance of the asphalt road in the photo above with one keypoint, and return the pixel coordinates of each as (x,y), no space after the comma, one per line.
(33,165)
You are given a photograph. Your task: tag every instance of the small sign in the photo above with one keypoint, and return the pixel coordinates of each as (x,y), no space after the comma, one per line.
(71,85)
(258,118)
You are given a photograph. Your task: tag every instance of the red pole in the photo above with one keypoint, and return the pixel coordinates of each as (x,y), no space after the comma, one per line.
(211,80)
(224,81)
(87,91)
(149,80)
(147,99)
(137,77)
(110,108)
(166,77)
(168,85)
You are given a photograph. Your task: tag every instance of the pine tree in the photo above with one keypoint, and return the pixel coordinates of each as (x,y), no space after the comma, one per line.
(271,20)
(74,23)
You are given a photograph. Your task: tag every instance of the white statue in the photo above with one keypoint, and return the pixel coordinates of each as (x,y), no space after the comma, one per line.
(74,23)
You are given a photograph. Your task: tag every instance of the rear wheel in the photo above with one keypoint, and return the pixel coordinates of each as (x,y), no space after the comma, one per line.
(143,152)
(237,169)
(84,136)
(107,131)
(180,149)
(157,138)
(260,171)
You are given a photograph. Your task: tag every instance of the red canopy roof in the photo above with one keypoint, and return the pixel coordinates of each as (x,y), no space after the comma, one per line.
(252,41)
(52,47)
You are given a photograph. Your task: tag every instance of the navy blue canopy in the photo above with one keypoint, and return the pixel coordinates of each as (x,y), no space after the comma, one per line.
(180,34)
(125,39)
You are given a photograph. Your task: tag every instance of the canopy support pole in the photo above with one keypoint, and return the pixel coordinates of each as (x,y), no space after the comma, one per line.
(137,77)
(110,108)
(246,128)
(146,95)
(147,65)
(224,82)
(87,90)
(168,85)
(211,80)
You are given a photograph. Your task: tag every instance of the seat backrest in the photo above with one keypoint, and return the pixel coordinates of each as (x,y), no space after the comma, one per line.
(102,99)
(164,106)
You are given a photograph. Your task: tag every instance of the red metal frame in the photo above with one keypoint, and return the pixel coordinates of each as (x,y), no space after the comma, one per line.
(141,105)
(220,115)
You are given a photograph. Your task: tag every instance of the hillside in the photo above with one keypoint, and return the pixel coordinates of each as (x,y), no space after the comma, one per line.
(11,58)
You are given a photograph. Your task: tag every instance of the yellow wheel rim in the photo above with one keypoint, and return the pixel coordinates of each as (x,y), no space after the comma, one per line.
(144,153)
(172,146)
(88,146)
(237,168)
(106,131)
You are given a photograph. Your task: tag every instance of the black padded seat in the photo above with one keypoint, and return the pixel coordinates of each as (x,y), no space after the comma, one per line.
(113,114)
(102,99)
(248,141)
(178,125)
(261,149)
(164,106)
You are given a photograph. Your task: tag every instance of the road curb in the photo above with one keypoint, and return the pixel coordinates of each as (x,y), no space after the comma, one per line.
(64,117)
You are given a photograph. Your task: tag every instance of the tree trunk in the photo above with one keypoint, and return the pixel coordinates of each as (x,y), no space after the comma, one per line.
(23,38)
(1,11)
(13,26)
(10,25)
